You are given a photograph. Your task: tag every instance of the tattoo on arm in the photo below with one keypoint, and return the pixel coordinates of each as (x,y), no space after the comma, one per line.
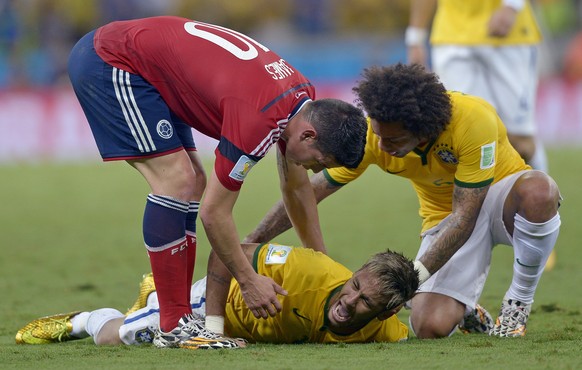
(458,228)
(220,279)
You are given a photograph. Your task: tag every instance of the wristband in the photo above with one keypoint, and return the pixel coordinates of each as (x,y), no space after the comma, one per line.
(215,324)
(423,273)
(515,4)
(415,36)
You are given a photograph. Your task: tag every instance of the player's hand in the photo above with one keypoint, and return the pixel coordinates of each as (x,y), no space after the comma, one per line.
(260,295)
(417,54)
(501,22)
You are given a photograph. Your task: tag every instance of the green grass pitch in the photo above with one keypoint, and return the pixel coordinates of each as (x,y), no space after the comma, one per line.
(70,239)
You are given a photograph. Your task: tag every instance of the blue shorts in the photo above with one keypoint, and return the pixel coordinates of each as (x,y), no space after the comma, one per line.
(128,117)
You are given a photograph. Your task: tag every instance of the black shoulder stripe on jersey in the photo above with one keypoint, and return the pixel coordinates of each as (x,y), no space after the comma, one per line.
(232,152)
(290,91)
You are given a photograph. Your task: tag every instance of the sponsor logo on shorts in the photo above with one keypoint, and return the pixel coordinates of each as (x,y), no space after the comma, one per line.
(165,129)
(242,168)
(144,336)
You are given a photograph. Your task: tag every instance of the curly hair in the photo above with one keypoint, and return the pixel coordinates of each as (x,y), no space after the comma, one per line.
(341,128)
(396,277)
(405,94)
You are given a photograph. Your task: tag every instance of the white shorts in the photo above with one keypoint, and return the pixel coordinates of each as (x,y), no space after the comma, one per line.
(140,326)
(505,76)
(463,276)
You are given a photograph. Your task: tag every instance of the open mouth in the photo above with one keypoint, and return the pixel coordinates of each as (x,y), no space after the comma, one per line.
(340,314)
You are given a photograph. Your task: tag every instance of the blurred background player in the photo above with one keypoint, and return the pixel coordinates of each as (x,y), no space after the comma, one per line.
(325,303)
(487,48)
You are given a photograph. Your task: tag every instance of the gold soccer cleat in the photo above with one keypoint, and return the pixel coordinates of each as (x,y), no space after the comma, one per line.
(48,329)
(146,287)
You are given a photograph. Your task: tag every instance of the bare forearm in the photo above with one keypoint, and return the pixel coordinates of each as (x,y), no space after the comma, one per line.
(217,285)
(451,237)
(300,203)
(421,13)
(223,238)
(276,221)
(273,224)
(457,229)
(302,211)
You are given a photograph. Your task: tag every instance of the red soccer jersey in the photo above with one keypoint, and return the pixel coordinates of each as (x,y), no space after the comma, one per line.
(221,82)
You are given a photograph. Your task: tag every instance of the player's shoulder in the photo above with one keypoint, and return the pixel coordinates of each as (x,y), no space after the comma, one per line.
(464,104)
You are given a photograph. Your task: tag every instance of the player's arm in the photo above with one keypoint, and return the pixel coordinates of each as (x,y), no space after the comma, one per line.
(218,281)
(276,220)
(300,204)
(259,292)
(421,14)
(503,19)
(458,227)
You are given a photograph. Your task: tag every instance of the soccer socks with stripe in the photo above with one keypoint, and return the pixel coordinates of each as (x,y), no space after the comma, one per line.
(532,245)
(191,239)
(164,230)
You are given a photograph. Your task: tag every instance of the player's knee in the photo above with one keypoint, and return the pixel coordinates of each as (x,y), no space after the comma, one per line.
(432,328)
(539,196)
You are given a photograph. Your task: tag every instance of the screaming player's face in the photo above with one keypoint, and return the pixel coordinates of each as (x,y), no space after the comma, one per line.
(356,304)
(394,139)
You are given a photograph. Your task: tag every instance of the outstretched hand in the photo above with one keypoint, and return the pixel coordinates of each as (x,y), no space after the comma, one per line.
(501,22)
(260,295)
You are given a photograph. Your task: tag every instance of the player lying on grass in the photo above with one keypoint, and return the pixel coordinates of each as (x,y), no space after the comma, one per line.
(326,303)
(474,192)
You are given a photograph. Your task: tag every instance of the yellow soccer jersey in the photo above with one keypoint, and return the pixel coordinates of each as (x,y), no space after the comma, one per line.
(465,22)
(473,151)
(310,278)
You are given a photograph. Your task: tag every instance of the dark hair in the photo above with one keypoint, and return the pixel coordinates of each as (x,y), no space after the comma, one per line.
(405,94)
(396,277)
(341,130)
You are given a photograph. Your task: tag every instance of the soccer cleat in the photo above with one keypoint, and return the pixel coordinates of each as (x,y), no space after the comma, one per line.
(216,343)
(512,319)
(189,326)
(146,287)
(192,334)
(203,338)
(477,321)
(48,329)
(170,339)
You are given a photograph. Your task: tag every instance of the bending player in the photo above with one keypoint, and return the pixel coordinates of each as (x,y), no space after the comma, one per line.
(326,304)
